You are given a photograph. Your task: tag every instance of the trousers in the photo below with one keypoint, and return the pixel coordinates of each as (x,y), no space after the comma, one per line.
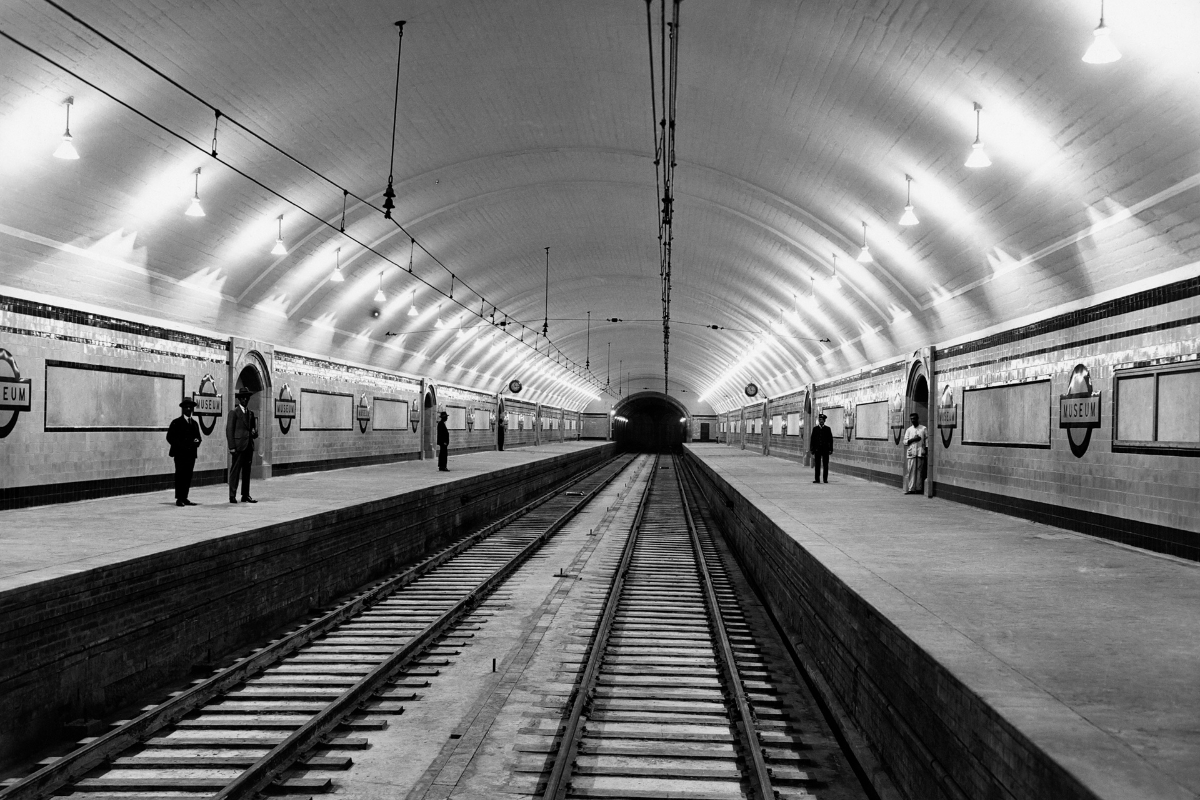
(183,476)
(240,469)
(821,462)
(914,474)
(442,453)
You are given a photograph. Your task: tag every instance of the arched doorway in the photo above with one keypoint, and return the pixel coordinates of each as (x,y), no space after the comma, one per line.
(253,377)
(918,394)
(429,421)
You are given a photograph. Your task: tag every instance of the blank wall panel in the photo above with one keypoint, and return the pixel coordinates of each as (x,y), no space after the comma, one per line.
(1135,409)
(1014,415)
(836,421)
(793,424)
(1179,407)
(82,397)
(456,418)
(326,411)
(389,415)
(872,421)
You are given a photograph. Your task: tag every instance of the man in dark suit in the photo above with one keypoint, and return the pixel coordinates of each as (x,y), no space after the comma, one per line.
(241,429)
(184,437)
(820,444)
(443,441)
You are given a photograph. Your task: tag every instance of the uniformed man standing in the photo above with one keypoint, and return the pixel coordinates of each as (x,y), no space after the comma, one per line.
(820,444)
(184,437)
(241,429)
(443,441)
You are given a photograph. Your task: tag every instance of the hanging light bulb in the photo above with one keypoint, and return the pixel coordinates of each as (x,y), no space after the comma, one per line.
(978,159)
(380,297)
(909,217)
(195,209)
(66,150)
(279,249)
(864,255)
(412,306)
(337,276)
(834,283)
(439,324)
(1102,49)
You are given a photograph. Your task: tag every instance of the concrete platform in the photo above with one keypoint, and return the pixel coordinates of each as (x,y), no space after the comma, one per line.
(1024,660)
(45,542)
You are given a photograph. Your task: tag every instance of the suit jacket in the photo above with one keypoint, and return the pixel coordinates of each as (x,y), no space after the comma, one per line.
(443,434)
(241,429)
(182,436)
(821,440)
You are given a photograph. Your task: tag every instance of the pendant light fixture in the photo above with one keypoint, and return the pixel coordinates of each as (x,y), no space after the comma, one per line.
(834,283)
(66,150)
(909,217)
(1102,49)
(864,255)
(337,276)
(195,209)
(380,297)
(279,249)
(978,158)
(412,306)
(389,194)
(439,324)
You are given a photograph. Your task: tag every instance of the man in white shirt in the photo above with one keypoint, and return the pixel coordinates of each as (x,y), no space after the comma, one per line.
(916,442)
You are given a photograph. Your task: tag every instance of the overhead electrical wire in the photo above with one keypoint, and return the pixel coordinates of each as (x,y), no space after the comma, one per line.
(575,367)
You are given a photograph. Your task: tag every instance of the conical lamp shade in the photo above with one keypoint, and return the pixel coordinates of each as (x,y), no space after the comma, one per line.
(66,150)
(195,209)
(978,158)
(865,257)
(909,217)
(1102,50)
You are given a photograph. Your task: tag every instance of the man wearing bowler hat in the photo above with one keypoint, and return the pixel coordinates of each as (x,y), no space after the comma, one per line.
(443,441)
(184,437)
(820,444)
(241,429)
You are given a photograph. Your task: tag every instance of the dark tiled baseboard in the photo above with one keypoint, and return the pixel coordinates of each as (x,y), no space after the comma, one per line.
(297,467)
(1147,535)
(45,494)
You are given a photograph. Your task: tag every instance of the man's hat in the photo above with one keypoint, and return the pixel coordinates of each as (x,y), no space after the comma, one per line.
(443,415)
(187,402)
(244,392)
(821,416)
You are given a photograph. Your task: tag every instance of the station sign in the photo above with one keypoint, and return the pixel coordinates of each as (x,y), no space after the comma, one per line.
(896,418)
(1079,410)
(947,415)
(16,394)
(285,409)
(209,404)
(363,413)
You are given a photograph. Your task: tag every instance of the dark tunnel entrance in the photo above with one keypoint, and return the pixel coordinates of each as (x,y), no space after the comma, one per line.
(650,423)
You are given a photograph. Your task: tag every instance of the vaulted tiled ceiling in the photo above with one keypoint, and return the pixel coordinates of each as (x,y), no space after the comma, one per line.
(524,125)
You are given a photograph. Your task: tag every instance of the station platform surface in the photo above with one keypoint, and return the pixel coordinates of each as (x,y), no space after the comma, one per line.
(45,542)
(1090,648)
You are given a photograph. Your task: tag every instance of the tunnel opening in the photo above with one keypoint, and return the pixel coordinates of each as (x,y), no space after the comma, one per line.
(650,423)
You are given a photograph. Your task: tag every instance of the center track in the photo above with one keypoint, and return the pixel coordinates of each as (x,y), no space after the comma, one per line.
(675,700)
(250,727)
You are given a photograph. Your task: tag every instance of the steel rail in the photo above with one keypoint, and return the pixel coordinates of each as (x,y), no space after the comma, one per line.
(568,746)
(760,775)
(75,765)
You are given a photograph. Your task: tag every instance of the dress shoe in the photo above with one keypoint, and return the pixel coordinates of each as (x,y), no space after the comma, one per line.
(233,499)
(189,503)
(179,503)
(248,499)
(816,481)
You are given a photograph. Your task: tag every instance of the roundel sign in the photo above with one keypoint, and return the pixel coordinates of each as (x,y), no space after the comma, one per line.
(751,390)
(15,394)
(285,409)
(1079,410)
(947,416)
(363,413)
(515,386)
(896,417)
(208,404)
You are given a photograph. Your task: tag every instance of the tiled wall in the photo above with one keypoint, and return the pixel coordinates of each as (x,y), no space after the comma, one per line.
(114,447)
(38,466)
(300,449)
(516,435)
(1142,496)
(792,440)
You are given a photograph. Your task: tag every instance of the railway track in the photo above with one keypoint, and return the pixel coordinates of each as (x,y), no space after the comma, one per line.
(675,698)
(293,705)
